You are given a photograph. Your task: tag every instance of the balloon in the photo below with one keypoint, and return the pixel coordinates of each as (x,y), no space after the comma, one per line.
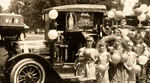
(115,58)
(101,68)
(142,17)
(136,69)
(87,53)
(114,10)
(144,8)
(119,15)
(53,14)
(122,2)
(148,15)
(142,60)
(111,14)
(52,34)
(136,1)
(124,57)
(128,11)
(138,11)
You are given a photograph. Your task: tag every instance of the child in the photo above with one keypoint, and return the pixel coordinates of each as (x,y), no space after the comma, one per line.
(85,64)
(129,76)
(103,59)
(115,70)
(141,49)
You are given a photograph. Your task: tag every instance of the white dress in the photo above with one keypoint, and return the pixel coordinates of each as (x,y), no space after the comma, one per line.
(86,68)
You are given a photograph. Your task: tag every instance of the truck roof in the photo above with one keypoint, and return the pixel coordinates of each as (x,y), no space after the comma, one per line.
(78,8)
(10,14)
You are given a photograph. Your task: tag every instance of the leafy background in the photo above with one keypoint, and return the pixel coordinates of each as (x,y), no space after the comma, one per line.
(32,9)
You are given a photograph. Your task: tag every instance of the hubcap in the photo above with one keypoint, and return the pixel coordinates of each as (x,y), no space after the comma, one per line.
(29,74)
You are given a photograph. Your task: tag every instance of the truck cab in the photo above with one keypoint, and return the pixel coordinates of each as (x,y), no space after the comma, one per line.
(71,24)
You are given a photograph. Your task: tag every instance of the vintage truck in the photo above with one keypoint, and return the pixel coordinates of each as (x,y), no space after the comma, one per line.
(52,59)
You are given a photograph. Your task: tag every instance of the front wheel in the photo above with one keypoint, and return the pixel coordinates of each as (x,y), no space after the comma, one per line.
(27,71)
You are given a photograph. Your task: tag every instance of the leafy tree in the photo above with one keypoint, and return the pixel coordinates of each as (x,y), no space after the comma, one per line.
(144,2)
(1,8)
(32,9)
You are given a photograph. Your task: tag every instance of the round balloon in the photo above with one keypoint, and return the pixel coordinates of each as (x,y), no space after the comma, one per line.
(115,58)
(144,8)
(119,15)
(136,69)
(148,15)
(142,60)
(124,57)
(52,34)
(101,68)
(138,11)
(110,14)
(87,53)
(114,10)
(142,17)
(53,14)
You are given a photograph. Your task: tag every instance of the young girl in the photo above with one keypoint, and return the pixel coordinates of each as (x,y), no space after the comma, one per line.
(85,65)
(103,59)
(128,74)
(115,70)
(142,50)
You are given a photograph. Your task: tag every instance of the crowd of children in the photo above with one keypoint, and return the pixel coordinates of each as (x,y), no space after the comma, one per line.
(117,58)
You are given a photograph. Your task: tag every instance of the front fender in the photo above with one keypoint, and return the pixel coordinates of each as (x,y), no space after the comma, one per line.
(50,72)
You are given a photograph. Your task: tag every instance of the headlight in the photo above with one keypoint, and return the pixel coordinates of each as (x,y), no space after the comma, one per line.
(52,34)
(53,14)
(6,20)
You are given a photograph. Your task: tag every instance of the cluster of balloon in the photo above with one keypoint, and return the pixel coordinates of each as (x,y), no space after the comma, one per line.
(116,58)
(101,68)
(136,69)
(143,12)
(142,60)
(117,15)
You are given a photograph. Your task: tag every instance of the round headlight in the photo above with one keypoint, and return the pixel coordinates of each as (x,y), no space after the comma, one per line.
(53,14)
(6,20)
(52,34)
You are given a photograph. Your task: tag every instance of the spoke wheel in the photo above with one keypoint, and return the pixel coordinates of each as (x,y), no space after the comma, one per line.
(27,71)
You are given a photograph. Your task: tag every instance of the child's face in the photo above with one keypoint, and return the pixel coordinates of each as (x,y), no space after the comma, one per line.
(138,41)
(89,43)
(129,47)
(123,22)
(117,43)
(102,48)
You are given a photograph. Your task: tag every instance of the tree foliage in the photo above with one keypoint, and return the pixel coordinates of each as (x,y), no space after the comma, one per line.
(1,8)
(32,9)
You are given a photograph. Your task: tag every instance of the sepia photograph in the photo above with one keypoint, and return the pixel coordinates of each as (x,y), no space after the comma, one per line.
(74,41)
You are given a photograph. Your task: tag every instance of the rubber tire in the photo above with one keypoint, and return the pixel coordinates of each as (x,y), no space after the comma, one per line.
(19,65)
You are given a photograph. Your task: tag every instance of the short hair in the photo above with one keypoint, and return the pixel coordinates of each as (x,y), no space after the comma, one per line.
(89,38)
